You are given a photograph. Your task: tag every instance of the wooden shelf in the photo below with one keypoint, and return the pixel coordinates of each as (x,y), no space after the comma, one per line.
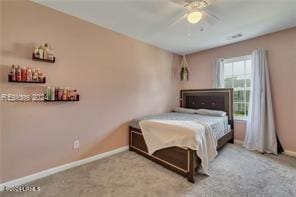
(62,100)
(42,60)
(11,81)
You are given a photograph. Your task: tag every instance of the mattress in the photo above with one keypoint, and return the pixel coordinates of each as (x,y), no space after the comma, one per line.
(219,125)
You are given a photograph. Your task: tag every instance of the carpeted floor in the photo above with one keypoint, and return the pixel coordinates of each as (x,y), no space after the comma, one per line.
(235,172)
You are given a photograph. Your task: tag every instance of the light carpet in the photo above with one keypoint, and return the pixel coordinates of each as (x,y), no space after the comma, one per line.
(235,172)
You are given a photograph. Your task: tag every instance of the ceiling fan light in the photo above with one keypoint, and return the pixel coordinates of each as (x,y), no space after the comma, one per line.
(194,17)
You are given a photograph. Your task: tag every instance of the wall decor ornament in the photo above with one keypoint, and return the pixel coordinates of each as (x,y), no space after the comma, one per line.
(184,73)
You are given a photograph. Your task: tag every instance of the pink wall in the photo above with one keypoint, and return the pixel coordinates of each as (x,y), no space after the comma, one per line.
(1,123)
(281,48)
(118,78)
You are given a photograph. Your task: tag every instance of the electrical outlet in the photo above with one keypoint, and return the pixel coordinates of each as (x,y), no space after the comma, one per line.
(76,144)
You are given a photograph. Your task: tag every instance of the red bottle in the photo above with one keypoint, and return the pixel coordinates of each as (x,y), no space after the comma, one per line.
(24,74)
(18,74)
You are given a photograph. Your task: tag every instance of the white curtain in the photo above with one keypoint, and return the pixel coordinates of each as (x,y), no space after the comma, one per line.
(260,132)
(219,74)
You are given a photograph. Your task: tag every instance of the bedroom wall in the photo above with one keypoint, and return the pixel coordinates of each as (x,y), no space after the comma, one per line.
(281,48)
(1,144)
(118,79)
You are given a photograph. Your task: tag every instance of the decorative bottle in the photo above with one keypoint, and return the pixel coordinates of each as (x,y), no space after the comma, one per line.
(18,74)
(13,73)
(29,74)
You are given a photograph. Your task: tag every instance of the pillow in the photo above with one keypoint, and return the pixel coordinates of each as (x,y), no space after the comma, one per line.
(209,112)
(184,110)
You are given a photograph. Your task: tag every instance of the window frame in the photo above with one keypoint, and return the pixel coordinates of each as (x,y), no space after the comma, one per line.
(237,59)
(232,60)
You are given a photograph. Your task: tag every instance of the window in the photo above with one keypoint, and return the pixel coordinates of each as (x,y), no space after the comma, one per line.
(237,75)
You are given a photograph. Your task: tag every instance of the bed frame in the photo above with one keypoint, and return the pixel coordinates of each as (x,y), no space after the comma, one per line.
(184,161)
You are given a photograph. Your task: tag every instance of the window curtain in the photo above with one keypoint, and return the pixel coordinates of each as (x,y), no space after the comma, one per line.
(219,73)
(261,131)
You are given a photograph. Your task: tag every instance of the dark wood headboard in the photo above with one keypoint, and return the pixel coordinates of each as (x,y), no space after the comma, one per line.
(216,99)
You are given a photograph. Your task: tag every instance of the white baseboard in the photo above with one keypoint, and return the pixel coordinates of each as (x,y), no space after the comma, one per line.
(290,153)
(44,173)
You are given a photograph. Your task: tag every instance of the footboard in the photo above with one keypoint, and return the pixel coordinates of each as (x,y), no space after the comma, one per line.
(180,160)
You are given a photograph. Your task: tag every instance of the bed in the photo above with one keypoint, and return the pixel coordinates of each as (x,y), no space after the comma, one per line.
(183,160)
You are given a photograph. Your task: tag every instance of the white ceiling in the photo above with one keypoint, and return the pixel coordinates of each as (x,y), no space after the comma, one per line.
(148,20)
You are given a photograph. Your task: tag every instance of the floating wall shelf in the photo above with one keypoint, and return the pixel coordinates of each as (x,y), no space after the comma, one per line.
(11,81)
(42,60)
(62,100)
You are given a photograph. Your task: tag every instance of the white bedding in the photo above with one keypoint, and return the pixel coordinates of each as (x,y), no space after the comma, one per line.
(194,134)
(219,125)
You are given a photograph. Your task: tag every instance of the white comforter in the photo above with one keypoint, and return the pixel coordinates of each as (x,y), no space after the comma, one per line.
(196,135)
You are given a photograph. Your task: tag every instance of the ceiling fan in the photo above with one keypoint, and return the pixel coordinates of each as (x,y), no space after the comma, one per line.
(196,10)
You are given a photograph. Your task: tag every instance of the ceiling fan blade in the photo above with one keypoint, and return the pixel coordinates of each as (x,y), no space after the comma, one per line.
(177,20)
(209,18)
(171,23)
